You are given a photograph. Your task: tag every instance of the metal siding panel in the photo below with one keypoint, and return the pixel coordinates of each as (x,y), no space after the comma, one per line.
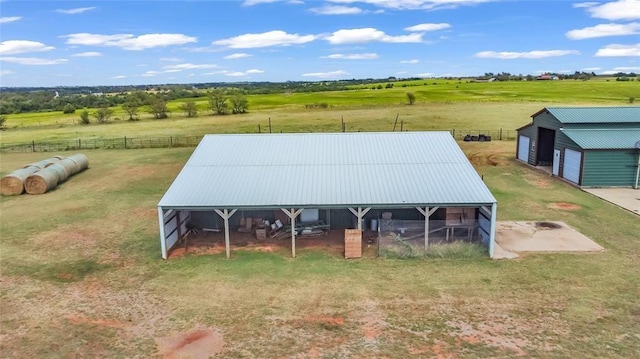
(615,168)
(596,114)
(606,139)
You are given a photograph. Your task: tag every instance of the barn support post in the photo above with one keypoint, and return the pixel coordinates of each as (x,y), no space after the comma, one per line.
(225,214)
(163,240)
(292,214)
(359,213)
(426,212)
(492,234)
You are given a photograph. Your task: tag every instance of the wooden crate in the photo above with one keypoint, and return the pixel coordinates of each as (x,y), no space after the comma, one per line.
(352,243)
(261,234)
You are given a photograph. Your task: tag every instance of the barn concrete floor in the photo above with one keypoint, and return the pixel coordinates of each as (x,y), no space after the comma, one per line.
(627,198)
(515,237)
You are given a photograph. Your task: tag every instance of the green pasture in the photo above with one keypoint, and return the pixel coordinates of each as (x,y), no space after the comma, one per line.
(81,276)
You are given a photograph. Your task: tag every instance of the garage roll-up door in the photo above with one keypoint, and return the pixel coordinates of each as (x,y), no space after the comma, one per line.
(523,148)
(571,170)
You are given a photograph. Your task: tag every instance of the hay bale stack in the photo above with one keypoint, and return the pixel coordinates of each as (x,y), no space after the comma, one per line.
(13,183)
(41,181)
(59,170)
(81,160)
(44,163)
(70,166)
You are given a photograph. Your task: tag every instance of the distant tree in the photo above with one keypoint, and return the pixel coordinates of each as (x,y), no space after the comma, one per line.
(158,107)
(190,108)
(389,86)
(131,107)
(218,102)
(411,98)
(68,108)
(239,103)
(3,122)
(84,117)
(103,114)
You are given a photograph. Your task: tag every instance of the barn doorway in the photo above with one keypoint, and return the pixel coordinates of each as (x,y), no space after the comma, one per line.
(546,142)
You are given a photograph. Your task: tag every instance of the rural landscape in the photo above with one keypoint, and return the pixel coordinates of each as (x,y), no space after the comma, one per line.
(81,273)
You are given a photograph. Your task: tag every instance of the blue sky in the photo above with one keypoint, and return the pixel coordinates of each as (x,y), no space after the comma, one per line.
(67,43)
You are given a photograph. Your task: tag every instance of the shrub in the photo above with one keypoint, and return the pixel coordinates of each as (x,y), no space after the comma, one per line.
(84,117)
(632,99)
(69,108)
(411,98)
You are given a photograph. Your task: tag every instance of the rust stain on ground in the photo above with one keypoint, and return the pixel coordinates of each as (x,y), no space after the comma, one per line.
(196,344)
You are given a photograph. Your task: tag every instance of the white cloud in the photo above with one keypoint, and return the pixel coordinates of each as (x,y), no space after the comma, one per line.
(5,72)
(235,73)
(413,61)
(265,39)
(129,41)
(414,4)
(87,54)
(352,36)
(119,77)
(32,61)
(584,4)
(604,30)
(425,74)
(171,59)
(336,10)
(7,19)
(256,2)
(188,66)
(150,73)
(538,54)
(428,27)
(12,47)
(616,50)
(369,56)
(254,71)
(616,10)
(324,75)
(78,10)
(591,69)
(237,56)
(615,70)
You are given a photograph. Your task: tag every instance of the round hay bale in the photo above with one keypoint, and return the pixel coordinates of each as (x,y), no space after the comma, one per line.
(70,166)
(81,160)
(13,183)
(59,170)
(41,181)
(44,163)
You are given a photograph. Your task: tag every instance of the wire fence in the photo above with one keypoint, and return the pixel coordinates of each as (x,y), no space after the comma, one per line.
(192,141)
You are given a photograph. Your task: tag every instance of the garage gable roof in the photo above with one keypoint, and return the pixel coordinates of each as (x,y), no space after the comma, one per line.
(327,170)
(607,139)
(594,114)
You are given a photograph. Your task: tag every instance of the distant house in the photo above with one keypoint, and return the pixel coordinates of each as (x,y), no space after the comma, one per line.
(547,78)
(587,146)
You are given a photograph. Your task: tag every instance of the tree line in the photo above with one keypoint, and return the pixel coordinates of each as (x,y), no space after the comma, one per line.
(219,102)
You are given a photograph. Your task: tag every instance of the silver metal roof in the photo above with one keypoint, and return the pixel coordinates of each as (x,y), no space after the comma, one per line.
(620,114)
(609,139)
(327,170)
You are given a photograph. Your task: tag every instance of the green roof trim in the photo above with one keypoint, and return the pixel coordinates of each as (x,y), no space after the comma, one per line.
(627,114)
(606,139)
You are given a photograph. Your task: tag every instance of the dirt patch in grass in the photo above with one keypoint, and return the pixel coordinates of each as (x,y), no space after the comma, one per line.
(480,159)
(197,343)
(565,206)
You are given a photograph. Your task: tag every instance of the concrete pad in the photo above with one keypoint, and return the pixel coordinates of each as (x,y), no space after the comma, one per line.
(627,198)
(500,253)
(545,236)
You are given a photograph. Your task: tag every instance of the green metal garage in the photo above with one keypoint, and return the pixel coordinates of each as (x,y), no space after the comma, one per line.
(586,146)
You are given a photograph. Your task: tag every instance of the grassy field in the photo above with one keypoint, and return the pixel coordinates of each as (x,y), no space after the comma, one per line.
(429,93)
(82,277)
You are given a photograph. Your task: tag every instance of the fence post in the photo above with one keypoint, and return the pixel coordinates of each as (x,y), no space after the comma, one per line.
(79,144)
(125,142)
(454,133)
(171,141)
(33,146)
(500,133)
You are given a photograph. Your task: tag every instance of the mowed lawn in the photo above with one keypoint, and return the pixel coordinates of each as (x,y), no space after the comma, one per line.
(82,277)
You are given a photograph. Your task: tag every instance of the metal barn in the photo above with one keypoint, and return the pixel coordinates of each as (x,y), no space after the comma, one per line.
(587,146)
(411,181)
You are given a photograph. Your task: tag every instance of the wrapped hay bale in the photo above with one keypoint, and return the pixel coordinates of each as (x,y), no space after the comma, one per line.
(41,181)
(81,160)
(44,163)
(70,166)
(59,170)
(13,183)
